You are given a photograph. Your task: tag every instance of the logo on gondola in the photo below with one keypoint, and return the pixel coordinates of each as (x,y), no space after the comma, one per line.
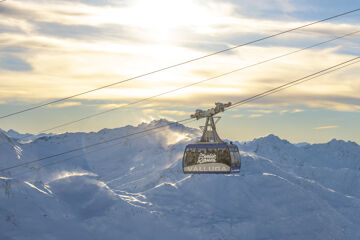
(199,168)
(206,158)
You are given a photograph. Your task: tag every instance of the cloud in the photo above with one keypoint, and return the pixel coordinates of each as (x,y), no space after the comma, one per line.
(112,105)
(14,63)
(237,115)
(88,46)
(89,2)
(81,32)
(326,127)
(66,104)
(68,31)
(174,112)
(255,115)
(12,9)
(166,112)
(9,29)
(344,104)
(266,8)
(205,73)
(296,110)
(265,111)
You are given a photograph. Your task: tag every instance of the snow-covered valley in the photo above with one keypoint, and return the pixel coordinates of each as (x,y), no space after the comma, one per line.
(134,188)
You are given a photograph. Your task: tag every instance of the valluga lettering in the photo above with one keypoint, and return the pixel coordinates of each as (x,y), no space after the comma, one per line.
(208,169)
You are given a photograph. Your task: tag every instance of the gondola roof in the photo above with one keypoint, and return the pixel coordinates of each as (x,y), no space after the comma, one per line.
(207,145)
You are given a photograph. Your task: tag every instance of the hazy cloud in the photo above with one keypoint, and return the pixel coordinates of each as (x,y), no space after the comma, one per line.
(256,115)
(14,63)
(66,104)
(9,29)
(326,127)
(88,45)
(15,11)
(166,112)
(265,111)
(238,115)
(101,33)
(90,2)
(67,31)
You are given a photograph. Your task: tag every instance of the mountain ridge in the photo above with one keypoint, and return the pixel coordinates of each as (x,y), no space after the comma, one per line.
(134,188)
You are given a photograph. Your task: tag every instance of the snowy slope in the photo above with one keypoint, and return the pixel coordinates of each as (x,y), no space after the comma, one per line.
(10,150)
(25,136)
(135,189)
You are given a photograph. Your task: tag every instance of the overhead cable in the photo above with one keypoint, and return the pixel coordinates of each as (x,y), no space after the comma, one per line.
(179,64)
(193,84)
(312,76)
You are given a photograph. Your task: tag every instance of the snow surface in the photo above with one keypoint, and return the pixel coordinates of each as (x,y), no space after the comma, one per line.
(134,188)
(25,137)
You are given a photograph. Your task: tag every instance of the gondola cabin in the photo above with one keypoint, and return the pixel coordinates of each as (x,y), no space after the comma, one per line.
(211,154)
(211,158)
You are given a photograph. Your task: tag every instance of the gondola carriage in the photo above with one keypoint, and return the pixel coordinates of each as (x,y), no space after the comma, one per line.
(211,154)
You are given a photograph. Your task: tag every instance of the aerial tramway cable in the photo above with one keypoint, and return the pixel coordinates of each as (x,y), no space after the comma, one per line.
(95,150)
(298,81)
(276,89)
(194,83)
(191,120)
(179,64)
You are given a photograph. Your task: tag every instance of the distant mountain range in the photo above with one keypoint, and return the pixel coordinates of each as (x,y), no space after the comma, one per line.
(26,136)
(134,188)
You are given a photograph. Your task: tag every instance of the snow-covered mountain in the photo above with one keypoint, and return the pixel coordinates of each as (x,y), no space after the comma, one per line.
(25,137)
(134,188)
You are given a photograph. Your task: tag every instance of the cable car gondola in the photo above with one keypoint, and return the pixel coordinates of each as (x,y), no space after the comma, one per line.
(211,154)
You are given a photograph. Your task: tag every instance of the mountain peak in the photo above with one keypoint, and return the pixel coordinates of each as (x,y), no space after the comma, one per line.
(4,138)
(16,135)
(336,142)
(163,122)
(271,138)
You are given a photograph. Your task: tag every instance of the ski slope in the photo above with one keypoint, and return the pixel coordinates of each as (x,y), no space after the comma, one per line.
(135,189)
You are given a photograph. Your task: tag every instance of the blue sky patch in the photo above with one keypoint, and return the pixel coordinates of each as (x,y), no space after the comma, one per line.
(13,63)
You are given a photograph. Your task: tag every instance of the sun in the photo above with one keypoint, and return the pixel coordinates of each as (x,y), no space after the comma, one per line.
(162,18)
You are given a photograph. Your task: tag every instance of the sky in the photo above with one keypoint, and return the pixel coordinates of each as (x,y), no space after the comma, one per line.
(53,49)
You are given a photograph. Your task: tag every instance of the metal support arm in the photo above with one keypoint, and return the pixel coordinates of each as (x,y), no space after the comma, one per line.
(210,135)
